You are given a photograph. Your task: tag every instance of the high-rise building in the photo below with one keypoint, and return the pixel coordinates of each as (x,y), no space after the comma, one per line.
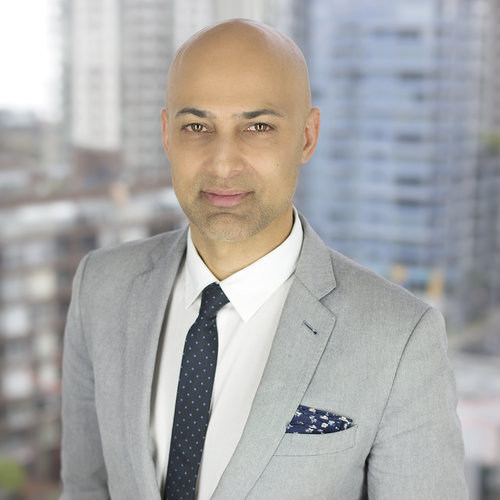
(483,276)
(490,69)
(392,182)
(146,31)
(116,61)
(116,58)
(115,187)
(44,233)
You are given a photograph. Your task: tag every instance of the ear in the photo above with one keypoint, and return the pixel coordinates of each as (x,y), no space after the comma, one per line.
(311,134)
(164,131)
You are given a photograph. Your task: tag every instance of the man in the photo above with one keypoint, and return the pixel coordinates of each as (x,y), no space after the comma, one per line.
(330,382)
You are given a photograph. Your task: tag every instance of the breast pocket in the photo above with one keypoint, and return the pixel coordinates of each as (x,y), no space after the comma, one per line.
(317,444)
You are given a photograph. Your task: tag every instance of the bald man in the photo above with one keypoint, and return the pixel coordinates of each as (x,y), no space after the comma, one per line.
(240,357)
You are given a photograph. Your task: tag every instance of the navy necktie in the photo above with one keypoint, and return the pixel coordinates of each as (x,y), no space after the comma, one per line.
(194,393)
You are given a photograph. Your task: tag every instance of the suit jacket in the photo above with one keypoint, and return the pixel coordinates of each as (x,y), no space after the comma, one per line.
(377,355)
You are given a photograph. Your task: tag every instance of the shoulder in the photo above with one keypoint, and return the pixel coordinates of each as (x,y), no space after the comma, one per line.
(335,278)
(383,316)
(375,316)
(350,290)
(127,260)
(355,280)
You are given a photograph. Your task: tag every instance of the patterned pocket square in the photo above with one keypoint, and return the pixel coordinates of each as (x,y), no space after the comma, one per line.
(309,420)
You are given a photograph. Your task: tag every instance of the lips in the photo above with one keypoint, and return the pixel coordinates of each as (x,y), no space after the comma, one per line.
(225,198)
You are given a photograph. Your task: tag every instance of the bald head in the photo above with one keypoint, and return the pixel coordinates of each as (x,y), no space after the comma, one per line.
(240,49)
(237,127)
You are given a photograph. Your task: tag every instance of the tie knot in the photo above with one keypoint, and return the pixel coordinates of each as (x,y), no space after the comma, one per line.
(212,299)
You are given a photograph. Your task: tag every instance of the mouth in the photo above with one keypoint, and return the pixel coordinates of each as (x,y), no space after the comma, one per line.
(225,198)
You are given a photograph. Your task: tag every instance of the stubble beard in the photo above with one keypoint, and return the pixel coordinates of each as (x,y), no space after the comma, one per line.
(225,225)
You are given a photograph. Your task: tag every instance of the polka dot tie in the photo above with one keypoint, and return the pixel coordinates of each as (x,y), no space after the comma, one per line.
(194,393)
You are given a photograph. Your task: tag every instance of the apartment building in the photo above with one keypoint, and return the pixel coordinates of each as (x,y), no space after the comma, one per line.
(392,183)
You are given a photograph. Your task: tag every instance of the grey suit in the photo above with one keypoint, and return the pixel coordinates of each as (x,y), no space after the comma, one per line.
(378,356)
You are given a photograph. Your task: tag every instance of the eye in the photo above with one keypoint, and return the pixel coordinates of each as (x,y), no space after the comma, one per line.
(260,127)
(197,128)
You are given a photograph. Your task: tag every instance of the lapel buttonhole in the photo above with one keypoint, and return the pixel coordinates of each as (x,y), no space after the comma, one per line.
(308,326)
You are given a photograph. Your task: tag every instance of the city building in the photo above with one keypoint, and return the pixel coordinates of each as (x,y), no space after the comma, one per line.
(398,85)
(487,225)
(43,235)
(116,57)
(405,178)
(100,179)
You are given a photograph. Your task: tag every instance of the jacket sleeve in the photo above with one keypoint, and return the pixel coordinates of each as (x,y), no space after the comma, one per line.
(83,470)
(418,452)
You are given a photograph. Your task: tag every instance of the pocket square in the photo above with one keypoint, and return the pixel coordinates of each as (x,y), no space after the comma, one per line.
(309,420)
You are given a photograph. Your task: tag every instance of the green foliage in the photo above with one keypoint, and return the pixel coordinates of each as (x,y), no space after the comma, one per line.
(12,476)
(491,142)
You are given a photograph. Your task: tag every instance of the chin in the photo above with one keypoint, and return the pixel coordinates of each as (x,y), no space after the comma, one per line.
(227,227)
(224,233)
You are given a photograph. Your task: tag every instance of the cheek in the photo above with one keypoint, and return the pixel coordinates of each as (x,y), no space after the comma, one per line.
(281,184)
(181,167)
(290,167)
(181,179)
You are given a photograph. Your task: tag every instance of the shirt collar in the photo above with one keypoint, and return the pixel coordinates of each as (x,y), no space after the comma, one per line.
(249,288)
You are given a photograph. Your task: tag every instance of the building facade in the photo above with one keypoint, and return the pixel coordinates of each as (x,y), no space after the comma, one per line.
(108,182)
(393,181)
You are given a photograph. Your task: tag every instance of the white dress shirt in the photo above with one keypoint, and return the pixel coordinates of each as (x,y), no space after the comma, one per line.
(246,328)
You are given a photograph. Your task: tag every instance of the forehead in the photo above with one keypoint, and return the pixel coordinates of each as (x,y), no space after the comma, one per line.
(242,74)
(231,87)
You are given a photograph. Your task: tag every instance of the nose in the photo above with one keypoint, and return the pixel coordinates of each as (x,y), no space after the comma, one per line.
(227,157)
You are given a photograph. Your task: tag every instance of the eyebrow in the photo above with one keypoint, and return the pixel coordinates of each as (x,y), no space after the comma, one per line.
(249,115)
(194,111)
(246,115)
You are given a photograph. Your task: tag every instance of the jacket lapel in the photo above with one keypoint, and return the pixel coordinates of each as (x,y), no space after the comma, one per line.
(302,335)
(147,303)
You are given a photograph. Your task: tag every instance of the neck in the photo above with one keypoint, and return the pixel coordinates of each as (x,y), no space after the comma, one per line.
(225,258)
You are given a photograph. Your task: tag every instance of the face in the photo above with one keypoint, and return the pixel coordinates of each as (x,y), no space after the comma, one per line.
(236,132)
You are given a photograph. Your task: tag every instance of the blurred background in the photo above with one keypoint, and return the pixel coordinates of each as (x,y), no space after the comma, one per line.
(405,180)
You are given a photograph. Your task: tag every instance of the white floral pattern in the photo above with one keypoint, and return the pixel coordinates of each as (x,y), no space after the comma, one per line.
(308,420)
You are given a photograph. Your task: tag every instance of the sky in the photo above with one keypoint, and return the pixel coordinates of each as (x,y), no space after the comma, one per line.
(28,56)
